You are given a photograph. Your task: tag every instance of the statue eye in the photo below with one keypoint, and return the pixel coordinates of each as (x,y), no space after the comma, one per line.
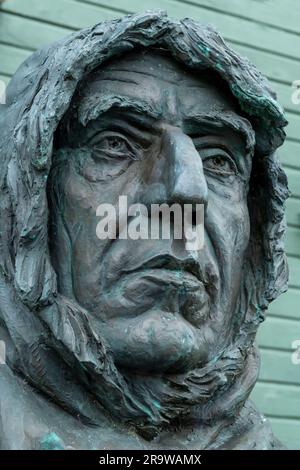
(112,145)
(218,161)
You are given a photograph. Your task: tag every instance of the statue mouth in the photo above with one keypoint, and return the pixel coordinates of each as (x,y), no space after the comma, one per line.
(168,263)
(157,282)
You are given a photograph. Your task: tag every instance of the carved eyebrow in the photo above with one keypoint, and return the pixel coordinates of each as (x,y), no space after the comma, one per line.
(227,120)
(135,125)
(92,108)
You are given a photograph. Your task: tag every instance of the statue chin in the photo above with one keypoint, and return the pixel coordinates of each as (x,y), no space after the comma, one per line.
(156,341)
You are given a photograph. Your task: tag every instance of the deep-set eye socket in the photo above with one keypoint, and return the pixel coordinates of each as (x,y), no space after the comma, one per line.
(218,160)
(113,145)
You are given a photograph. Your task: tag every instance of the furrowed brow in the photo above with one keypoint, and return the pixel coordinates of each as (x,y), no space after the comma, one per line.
(228,120)
(92,108)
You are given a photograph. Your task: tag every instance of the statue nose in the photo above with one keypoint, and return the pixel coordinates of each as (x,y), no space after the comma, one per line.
(184,177)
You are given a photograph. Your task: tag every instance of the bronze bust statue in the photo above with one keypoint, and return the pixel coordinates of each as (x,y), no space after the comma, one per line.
(137,344)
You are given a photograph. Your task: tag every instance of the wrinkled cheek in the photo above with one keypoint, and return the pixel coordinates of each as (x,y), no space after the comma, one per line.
(241,229)
(227,218)
(228,227)
(87,260)
(84,247)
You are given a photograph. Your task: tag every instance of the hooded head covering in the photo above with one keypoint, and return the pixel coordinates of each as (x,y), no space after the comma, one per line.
(40,325)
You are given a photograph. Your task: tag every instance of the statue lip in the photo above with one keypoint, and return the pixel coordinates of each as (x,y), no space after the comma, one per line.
(169,262)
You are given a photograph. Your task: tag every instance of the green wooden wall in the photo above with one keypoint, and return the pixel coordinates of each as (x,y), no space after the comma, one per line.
(268,33)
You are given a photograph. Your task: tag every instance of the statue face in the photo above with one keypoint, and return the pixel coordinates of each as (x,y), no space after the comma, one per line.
(163,136)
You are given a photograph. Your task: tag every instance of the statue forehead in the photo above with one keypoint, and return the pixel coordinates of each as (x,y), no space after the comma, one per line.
(161,81)
(149,63)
